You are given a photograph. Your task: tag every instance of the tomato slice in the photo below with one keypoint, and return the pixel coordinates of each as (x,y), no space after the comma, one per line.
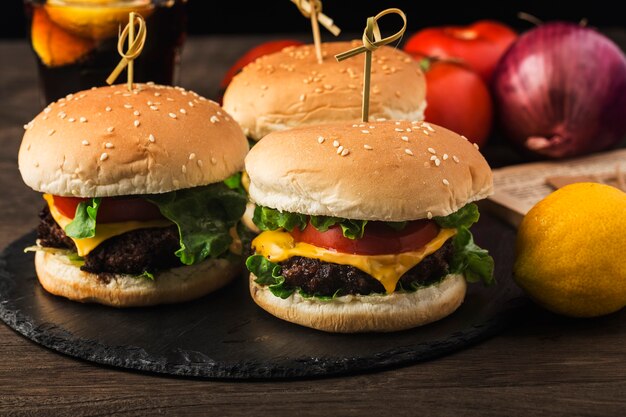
(378,239)
(112,209)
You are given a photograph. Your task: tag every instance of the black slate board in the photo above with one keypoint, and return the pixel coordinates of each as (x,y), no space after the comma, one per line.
(225,335)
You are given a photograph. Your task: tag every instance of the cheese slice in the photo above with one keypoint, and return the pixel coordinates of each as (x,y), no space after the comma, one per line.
(104,231)
(278,246)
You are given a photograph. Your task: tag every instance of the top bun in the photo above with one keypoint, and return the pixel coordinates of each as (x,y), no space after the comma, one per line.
(391,171)
(108,141)
(289,89)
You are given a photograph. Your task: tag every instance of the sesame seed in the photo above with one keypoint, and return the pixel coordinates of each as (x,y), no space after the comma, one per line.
(128,106)
(463,137)
(352,86)
(475,146)
(445,182)
(318,90)
(183,111)
(51,132)
(26,127)
(71,120)
(437,162)
(399,130)
(428,126)
(190,103)
(405,138)
(151,138)
(372,127)
(85,142)
(219,113)
(47,110)
(361,125)
(345,152)
(320,139)
(433,157)
(154,108)
(199,162)
(408,129)
(136,123)
(172,115)
(365,131)
(192,156)
(455,159)
(108,145)
(408,152)
(340,149)
(397,123)
(107,108)
(83,120)
(328,87)
(213,161)
(104,156)
(263,87)
(426,164)
(45,117)
(431,150)
(426,132)
(157,94)
(381,119)
(335,143)
(355,125)
(110,129)
(368,147)
(214,119)
(445,156)
(302,97)
(62,115)
(429,215)
(184,169)
(169,99)
(126,94)
(176,183)
(136,113)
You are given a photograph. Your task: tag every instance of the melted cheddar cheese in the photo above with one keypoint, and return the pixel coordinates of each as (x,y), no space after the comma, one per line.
(104,231)
(278,246)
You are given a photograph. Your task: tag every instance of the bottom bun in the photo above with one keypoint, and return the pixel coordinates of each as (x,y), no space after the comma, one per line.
(366,313)
(60,277)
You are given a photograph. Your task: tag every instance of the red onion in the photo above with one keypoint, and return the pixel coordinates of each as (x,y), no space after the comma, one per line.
(561,91)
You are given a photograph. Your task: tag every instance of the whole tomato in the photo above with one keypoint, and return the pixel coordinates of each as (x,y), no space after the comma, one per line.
(252,54)
(457,99)
(480,45)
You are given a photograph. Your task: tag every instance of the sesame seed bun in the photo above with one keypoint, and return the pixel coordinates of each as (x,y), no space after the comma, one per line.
(389,171)
(366,313)
(108,141)
(290,88)
(60,277)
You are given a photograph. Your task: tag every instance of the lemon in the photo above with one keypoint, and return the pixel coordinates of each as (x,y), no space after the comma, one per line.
(571,251)
(54,46)
(95,19)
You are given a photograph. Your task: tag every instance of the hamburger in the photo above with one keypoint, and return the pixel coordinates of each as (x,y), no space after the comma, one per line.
(137,212)
(290,88)
(365,227)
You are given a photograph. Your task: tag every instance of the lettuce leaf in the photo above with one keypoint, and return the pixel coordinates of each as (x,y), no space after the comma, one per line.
(204,216)
(84,223)
(268,273)
(271,219)
(469,259)
(234,183)
(464,217)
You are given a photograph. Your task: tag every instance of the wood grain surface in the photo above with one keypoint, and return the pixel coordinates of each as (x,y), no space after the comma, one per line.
(543,365)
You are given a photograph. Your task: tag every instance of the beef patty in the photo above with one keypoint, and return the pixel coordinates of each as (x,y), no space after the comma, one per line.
(317,277)
(132,253)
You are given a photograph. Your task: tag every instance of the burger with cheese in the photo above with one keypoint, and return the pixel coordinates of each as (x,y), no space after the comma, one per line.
(136,211)
(366,226)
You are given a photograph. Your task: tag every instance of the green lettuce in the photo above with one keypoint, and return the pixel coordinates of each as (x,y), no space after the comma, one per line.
(84,223)
(469,259)
(268,273)
(234,183)
(271,219)
(204,216)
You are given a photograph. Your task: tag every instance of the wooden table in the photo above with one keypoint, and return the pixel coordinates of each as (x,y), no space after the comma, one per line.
(541,365)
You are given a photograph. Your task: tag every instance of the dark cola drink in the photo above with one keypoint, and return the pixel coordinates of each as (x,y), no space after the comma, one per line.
(75,41)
